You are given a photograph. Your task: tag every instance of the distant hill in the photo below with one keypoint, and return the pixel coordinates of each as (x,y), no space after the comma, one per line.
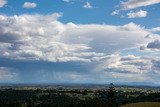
(143,104)
(138,84)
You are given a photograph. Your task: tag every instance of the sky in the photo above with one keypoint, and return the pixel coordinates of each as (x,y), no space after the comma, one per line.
(80,41)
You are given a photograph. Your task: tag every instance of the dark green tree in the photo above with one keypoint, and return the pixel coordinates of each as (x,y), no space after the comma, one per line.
(111,96)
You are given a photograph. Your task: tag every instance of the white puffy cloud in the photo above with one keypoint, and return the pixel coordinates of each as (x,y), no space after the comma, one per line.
(57,42)
(2,3)
(132,4)
(29,5)
(138,14)
(156,29)
(97,49)
(20,40)
(88,5)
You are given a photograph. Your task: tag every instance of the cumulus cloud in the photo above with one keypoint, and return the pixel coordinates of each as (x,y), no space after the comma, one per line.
(88,5)
(2,3)
(29,5)
(57,42)
(138,14)
(20,40)
(71,45)
(132,4)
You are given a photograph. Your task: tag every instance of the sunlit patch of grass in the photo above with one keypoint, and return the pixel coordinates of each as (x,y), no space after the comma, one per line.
(143,104)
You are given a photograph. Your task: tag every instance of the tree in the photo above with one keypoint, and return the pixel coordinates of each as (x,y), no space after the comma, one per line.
(111,96)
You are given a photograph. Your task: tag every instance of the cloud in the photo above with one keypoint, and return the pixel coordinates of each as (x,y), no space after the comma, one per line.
(142,48)
(116,12)
(132,4)
(19,39)
(29,5)
(127,64)
(67,1)
(88,5)
(3,3)
(154,45)
(156,66)
(130,68)
(156,29)
(57,42)
(61,52)
(6,74)
(138,14)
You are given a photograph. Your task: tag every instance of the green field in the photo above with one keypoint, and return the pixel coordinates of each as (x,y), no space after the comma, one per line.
(143,104)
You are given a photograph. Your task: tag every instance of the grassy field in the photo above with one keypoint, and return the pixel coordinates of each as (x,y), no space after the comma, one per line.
(143,104)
